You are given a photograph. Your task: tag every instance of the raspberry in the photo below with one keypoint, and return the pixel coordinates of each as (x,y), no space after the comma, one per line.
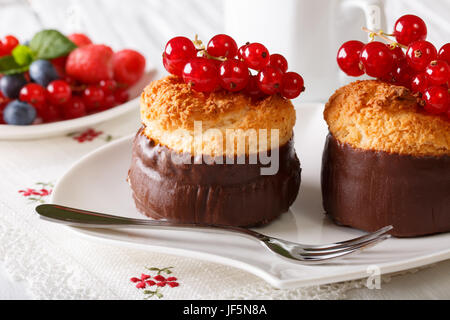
(80,39)
(90,64)
(128,65)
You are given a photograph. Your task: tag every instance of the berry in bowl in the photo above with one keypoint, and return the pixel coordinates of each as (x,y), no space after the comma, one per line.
(54,79)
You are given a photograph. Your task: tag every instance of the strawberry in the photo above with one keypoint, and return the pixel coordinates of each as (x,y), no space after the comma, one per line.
(129,66)
(90,64)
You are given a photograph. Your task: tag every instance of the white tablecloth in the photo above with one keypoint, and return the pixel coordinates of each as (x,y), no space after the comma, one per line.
(42,260)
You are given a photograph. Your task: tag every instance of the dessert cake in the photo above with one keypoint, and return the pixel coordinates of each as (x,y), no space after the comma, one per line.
(386,161)
(177,177)
(216,142)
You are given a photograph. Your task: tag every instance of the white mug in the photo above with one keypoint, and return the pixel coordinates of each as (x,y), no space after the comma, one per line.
(307,32)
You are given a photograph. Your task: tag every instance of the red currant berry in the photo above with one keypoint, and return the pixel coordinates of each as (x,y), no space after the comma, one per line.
(398,54)
(8,43)
(419,82)
(402,75)
(436,99)
(256,56)
(377,59)
(108,86)
(233,75)
(444,53)
(270,80)
(419,54)
(252,89)
(121,96)
(3,100)
(292,85)
(74,108)
(389,78)
(71,81)
(108,102)
(50,113)
(278,61)
(201,74)
(58,92)
(177,53)
(438,72)
(240,53)
(33,93)
(217,63)
(92,97)
(348,58)
(222,45)
(409,28)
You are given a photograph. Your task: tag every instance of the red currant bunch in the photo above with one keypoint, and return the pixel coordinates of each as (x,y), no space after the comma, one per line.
(410,61)
(222,64)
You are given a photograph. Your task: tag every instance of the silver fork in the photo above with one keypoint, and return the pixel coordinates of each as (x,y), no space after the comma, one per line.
(306,254)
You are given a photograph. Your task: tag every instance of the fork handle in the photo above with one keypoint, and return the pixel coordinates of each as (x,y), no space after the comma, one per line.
(90,219)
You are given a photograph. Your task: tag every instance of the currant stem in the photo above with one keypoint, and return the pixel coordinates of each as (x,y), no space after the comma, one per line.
(201,48)
(198,43)
(383,35)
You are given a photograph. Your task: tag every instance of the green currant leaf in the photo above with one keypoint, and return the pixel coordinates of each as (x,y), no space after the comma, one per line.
(8,65)
(50,44)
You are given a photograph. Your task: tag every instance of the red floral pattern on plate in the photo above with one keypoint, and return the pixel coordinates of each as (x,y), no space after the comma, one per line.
(89,135)
(158,281)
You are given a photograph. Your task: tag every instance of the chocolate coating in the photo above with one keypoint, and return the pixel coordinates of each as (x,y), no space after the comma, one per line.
(224,194)
(368,190)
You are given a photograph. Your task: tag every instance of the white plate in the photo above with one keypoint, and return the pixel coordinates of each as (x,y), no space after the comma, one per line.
(97,182)
(38,131)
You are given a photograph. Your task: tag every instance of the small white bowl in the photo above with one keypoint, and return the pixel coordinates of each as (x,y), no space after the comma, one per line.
(45,130)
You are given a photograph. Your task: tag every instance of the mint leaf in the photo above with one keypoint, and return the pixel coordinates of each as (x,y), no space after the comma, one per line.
(23,55)
(50,44)
(8,65)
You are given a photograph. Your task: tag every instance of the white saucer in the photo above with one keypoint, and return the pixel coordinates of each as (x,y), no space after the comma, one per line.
(97,182)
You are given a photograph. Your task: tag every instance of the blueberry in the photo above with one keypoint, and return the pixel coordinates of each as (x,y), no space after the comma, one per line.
(19,113)
(43,72)
(11,85)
